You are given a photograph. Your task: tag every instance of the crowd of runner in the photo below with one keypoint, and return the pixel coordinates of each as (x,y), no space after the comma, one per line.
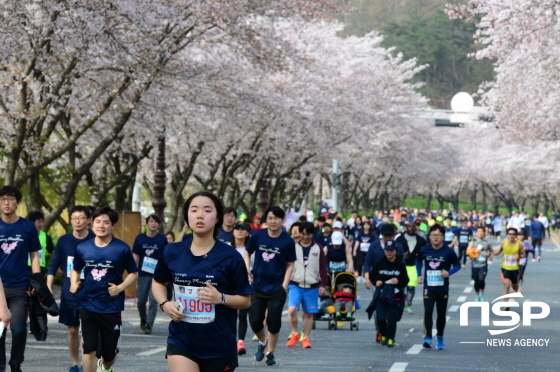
(225,273)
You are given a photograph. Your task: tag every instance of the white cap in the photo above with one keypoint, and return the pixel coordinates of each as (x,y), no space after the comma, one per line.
(337,225)
(336,238)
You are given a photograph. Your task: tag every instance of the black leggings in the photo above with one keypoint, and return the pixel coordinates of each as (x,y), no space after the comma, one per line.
(242,316)
(479,282)
(439,300)
(359,261)
(463,254)
(409,295)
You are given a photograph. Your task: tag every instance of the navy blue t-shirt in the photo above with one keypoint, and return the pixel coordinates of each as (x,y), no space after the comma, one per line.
(17,240)
(223,235)
(433,261)
(63,257)
(103,265)
(464,235)
(225,269)
(450,232)
(149,251)
(271,256)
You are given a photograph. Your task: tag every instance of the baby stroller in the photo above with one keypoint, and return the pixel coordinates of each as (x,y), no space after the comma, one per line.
(340,281)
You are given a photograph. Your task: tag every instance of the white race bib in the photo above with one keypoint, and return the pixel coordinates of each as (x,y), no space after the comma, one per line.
(434,278)
(523,261)
(189,304)
(449,236)
(510,261)
(463,239)
(337,266)
(481,257)
(149,264)
(70,267)
(364,247)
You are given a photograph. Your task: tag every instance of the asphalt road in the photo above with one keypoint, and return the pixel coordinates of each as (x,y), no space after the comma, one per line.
(345,350)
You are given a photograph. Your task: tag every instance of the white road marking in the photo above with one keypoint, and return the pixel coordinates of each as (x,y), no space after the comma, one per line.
(468,290)
(415,349)
(49,347)
(153,351)
(398,367)
(472,282)
(462,299)
(453,309)
(447,318)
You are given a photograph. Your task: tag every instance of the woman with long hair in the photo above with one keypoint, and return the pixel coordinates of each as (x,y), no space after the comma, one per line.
(210,284)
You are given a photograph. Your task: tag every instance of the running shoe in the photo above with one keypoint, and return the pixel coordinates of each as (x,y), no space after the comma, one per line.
(538,258)
(292,340)
(439,344)
(349,316)
(259,355)
(383,341)
(148,329)
(407,310)
(270,359)
(378,337)
(241,348)
(255,338)
(74,369)
(481,298)
(533,260)
(305,343)
(507,308)
(477,298)
(390,343)
(427,342)
(100,367)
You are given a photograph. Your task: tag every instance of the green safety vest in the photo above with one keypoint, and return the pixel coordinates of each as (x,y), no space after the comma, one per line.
(43,252)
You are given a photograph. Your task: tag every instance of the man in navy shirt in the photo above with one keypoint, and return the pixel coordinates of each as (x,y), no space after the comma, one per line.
(463,235)
(225,232)
(19,240)
(103,260)
(63,257)
(440,262)
(147,250)
(275,255)
(537,235)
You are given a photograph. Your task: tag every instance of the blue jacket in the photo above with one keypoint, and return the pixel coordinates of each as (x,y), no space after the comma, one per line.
(537,229)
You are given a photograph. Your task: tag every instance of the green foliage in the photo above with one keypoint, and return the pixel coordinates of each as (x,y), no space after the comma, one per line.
(443,45)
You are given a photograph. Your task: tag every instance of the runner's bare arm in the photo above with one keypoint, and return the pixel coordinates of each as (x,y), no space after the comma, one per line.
(159,290)
(288,274)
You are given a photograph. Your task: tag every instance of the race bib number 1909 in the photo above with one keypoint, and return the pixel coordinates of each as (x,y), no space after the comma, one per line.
(195,310)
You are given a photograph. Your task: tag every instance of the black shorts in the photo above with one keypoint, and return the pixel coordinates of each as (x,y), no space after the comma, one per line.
(479,271)
(263,301)
(512,275)
(101,331)
(205,365)
(69,313)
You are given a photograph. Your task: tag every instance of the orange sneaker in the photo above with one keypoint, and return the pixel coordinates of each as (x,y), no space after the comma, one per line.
(305,343)
(292,340)
(241,348)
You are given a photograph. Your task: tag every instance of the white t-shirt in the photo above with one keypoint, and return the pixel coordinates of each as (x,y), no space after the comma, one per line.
(544,221)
